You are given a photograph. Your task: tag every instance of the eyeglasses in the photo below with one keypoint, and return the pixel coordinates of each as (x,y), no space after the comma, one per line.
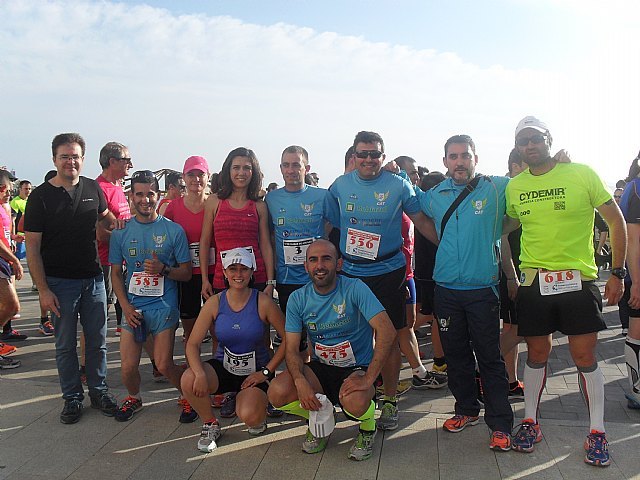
(143,175)
(374,154)
(124,159)
(535,139)
(64,158)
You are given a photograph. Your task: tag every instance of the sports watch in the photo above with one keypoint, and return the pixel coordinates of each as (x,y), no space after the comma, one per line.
(619,272)
(267,373)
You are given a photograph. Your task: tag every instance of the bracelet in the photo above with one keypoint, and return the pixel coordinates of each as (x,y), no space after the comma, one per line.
(271,282)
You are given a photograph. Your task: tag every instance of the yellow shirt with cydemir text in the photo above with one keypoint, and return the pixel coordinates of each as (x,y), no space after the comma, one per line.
(556,212)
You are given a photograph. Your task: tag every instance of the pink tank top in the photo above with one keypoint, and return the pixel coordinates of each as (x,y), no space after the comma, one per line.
(234,228)
(5,226)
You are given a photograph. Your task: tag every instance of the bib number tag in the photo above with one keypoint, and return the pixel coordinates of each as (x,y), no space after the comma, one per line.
(194,251)
(295,251)
(362,244)
(146,285)
(340,355)
(239,364)
(249,249)
(559,281)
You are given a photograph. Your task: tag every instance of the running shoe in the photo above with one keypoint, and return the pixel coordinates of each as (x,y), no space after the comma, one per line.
(188,414)
(500,441)
(46,328)
(273,412)
(217,400)
(157,376)
(313,444)
(209,435)
(363,446)
(130,406)
(106,403)
(277,341)
(431,380)
(13,335)
(6,349)
(403,387)
(517,391)
(17,316)
(71,412)
(624,332)
(632,401)
(439,368)
(228,408)
(457,423)
(527,436)
(388,417)
(207,338)
(118,331)
(258,430)
(7,363)
(34,288)
(597,449)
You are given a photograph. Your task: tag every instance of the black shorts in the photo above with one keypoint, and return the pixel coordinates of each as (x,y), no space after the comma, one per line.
(572,313)
(331,378)
(284,292)
(507,306)
(424,294)
(191,296)
(228,382)
(625,298)
(389,289)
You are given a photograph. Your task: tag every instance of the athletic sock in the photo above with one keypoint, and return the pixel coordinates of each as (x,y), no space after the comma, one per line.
(392,400)
(367,420)
(591,383)
(632,357)
(294,408)
(513,385)
(420,371)
(439,361)
(43,320)
(534,379)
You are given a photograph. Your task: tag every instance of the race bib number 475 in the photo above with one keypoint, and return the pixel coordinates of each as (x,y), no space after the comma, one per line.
(340,355)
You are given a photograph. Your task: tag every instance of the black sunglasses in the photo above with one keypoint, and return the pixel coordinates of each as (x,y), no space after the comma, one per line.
(535,139)
(374,154)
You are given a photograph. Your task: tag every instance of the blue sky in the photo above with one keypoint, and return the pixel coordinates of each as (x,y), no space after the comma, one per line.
(173,79)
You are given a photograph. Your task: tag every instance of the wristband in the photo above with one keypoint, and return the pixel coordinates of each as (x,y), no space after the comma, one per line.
(271,282)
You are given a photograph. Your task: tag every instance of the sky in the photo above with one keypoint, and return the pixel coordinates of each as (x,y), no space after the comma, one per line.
(171,79)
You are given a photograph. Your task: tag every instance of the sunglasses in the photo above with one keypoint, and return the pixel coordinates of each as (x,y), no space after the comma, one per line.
(124,159)
(374,154)
(143,175)
(535,139)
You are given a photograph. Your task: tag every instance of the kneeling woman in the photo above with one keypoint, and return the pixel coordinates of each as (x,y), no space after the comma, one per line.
(241,363)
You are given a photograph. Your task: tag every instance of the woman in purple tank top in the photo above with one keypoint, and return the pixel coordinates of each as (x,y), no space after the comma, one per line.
(241,363)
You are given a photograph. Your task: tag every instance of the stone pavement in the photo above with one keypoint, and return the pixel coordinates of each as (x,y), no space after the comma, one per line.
(153,445)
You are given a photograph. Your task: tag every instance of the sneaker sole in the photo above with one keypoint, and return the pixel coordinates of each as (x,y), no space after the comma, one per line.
(597,463)
(105,413)
(498,448)
(121,419)
(187,420)
(386,427)
(429,386)
(470,423)
(358,459)
(632,403)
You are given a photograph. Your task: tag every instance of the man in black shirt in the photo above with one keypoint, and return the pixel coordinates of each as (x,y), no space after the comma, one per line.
(60,227)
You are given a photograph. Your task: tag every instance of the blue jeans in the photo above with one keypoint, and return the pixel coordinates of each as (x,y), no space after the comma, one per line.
(469,323)
(85,297)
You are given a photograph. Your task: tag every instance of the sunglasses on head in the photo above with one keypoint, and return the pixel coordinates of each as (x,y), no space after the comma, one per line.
(374,154)
(535,139)
(143,175)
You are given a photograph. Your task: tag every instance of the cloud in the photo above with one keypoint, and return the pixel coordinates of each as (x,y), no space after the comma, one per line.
(170,86)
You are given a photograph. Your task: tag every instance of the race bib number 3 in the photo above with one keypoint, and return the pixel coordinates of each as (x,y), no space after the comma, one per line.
(340,355)
(194,251)
(146,285)
(362,244)
(559,281)
(241,364)
(295,251)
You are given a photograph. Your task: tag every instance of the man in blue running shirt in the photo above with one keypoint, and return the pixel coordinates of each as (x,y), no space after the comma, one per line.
(156,254)
(367,205)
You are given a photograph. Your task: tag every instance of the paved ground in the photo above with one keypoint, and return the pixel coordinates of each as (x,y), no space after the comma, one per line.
(155,446)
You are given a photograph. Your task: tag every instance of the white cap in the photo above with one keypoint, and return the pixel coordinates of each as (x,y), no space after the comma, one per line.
(531,122)
(237,255)
(322,422)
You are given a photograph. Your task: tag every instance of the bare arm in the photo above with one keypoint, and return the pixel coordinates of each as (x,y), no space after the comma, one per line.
(509,224)
(508,267)
(425,226)
(208,314)
(48,300)
(129,311)
(265,244)
(210,206)
(633,261)
(295,366)
(611,213)
(8,255)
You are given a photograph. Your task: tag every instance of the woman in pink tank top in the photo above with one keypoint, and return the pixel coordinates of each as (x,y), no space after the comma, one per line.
(240,220)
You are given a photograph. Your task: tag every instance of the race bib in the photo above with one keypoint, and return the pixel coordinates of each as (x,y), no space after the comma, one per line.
(249,249)
(239,364)
(559,281)
(194,251)
(295,251)
(362,244)
(340,355)
(146,285)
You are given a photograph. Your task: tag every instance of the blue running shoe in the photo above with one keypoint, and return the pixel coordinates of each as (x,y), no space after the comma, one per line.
(597,449)
(527,436)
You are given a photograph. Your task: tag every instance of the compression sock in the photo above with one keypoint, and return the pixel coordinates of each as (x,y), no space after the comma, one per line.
(632,357)
(367,419)
(392,400)
(535,377)
(591,383)
(294,408)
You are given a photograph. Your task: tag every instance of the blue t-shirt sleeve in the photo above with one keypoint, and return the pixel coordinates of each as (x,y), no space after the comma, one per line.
(115,252)
(410,202)
(425,202)
(181,246)
(366,301)
(332,207)
(293,322)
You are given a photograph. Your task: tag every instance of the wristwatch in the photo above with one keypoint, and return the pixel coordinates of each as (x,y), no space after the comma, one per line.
(166,270)
(267,373)
(619,272)
(271,282)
